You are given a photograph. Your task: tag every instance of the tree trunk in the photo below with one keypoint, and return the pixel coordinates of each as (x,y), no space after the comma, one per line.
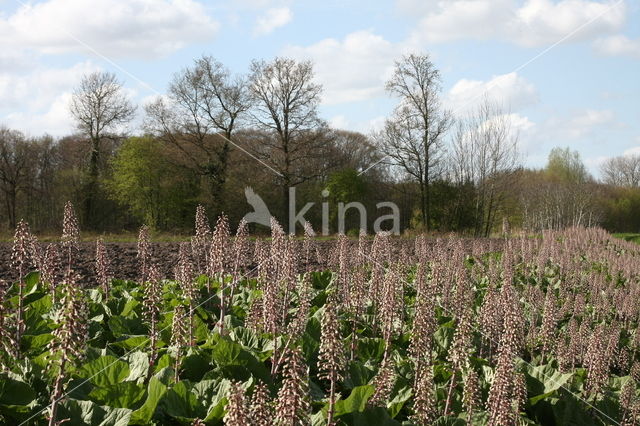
(11,200)
(285,204)
(423,204)
(427,198)
(92,184)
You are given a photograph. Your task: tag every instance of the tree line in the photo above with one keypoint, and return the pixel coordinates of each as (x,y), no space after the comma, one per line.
(215,133)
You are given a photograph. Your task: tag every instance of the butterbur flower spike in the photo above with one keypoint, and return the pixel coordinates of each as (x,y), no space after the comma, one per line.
(70,234)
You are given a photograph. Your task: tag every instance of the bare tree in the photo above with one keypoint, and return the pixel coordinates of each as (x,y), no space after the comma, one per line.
(485,154)
(622,171)
(413,136)
(355,150)
(286,108)
(203,109)
(15,157)
(99,107)
(560,196)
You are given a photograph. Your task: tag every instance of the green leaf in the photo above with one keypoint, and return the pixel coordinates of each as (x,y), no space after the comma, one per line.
(33,315)
(216,411)
(129,307)
(358,375)
(356,402)
(120,326)
(35,343)
(104,371)
(31,280)
(15,392)
(568,410)
(132,342)
(194,366)
(179,402)
(237,363)
(371,416)
(121,395)
(543,382)
(370,348)
(89,413)
(403,395)
(155,391)
(138,365)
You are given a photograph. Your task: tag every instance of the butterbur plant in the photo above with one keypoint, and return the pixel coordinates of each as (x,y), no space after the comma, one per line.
(7,342)
(293,405)
(471,392)
(103,267)
(261,406)
(488,331)
(185,276)
(219,260)
(629,404)
(383,383)
(201,240)
(424,405)
(144,252)
(240,255)
(237,408)
(459,353)
(20,263)
(70,235)
(179,338)
(49,269)
(297,326)
(69,339)
(331,359)
(502,395)
(151,307)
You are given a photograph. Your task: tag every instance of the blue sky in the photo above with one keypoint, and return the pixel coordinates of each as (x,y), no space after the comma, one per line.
(568,71)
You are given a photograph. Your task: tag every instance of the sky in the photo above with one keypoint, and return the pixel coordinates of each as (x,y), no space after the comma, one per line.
(566,71)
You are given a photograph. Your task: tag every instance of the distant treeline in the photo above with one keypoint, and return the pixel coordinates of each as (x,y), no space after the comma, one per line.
(214,134)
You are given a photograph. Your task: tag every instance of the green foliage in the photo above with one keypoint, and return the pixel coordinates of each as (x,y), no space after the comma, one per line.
(156,191)
(116,385)
(566,166)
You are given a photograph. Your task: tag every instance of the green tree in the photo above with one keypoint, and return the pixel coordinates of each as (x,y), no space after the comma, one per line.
(347,186)
(567,166)
(156,191)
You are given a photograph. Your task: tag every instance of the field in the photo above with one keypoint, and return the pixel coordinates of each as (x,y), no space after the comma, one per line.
(374,331)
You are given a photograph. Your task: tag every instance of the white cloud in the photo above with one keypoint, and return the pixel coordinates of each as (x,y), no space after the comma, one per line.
(520,123)
(363,126)
(511,91)
(14,61)
(55,120)
(584,122)
(595,163)
(374,125)
(38,102)
(632,151)
(339,122)
(352,69)
(272,19)
(135,28)
(583,128)
(534,23)
(580,125)
(618,45)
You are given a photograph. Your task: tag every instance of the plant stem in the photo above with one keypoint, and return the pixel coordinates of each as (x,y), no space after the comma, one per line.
(452,386)
(57,394)
(332,401)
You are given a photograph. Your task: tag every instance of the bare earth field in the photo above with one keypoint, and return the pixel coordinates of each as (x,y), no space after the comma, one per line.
(124,263)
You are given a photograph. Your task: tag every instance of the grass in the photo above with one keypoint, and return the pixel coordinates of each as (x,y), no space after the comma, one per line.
(122,237)
(628,236)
